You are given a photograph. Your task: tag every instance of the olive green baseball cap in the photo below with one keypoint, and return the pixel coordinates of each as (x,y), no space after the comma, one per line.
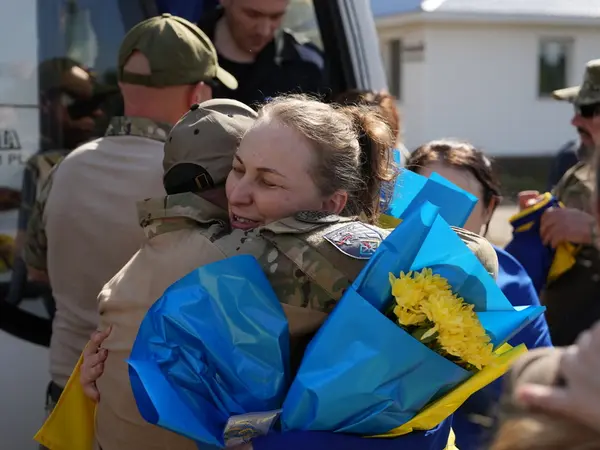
(200,147)
(589,91)
(178,52)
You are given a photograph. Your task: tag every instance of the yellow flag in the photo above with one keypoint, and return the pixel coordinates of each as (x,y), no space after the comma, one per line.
(70,426)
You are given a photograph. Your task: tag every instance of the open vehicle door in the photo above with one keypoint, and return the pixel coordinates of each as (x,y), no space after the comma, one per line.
(39,110)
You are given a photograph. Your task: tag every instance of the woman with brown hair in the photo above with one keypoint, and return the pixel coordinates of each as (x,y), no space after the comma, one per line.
(467,167)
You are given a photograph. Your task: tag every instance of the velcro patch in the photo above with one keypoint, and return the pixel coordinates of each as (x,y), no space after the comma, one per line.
(356,240)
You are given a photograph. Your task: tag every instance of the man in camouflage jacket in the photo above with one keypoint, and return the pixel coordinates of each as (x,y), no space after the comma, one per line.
(572,300)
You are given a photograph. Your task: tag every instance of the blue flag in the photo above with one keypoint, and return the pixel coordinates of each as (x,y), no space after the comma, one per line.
(215,345)
(541,262)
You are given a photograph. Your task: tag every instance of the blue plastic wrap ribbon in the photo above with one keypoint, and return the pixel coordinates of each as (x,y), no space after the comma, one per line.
(398,375)
(214,345)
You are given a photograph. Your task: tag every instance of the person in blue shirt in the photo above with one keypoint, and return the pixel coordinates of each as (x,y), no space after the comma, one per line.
(467,167)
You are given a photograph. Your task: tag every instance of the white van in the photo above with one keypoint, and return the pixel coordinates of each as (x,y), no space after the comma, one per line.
(90,32)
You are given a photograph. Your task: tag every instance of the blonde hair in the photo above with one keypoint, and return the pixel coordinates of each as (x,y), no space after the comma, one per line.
(537,431)
(352,148)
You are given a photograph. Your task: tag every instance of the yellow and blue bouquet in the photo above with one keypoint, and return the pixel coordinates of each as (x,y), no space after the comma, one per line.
(422,328)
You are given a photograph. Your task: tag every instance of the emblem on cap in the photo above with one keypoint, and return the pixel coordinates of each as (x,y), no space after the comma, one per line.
(316,217)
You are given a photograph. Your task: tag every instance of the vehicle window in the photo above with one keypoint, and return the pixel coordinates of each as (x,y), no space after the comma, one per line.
(82,34)
(302,21)
(58,89)
(49,76)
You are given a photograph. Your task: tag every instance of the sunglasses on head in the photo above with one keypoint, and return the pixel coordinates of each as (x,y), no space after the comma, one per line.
(588,111)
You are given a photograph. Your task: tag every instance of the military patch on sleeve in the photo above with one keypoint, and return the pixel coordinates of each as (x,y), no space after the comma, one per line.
(356,240)
(316,217)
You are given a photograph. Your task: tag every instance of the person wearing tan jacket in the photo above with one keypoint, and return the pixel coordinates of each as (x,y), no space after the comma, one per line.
(179,231)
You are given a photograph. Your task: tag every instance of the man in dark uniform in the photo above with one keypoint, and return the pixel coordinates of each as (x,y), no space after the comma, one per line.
(265,59)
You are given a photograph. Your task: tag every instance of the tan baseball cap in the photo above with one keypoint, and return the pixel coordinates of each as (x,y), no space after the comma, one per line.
(178,51)
(200,147)
(589,91)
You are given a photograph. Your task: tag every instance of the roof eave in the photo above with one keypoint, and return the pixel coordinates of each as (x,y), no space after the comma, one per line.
(470,17)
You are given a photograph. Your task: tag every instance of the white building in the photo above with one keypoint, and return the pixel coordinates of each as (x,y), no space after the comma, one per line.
(483,70)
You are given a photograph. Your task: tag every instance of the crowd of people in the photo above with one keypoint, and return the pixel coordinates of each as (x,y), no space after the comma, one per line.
(214,177)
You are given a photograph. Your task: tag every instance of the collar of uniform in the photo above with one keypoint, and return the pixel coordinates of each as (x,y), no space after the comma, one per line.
(299,223)
(153,213)
(138,126)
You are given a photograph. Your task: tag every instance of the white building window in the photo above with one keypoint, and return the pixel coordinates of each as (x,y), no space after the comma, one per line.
(554,56)
(394,59)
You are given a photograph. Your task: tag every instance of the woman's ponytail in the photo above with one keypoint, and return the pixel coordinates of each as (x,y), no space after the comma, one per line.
(376,143)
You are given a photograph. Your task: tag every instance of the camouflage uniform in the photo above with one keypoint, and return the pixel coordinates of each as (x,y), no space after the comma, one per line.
(572,300)
(312,258)
(576,188)
(36,246)
(184,211)
(37,170)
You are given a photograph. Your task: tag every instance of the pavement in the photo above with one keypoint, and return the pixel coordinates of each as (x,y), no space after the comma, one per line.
(500,231)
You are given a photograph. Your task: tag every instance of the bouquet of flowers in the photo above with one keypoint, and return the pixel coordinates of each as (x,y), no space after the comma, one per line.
(399,352)
(427,309)
(420,344)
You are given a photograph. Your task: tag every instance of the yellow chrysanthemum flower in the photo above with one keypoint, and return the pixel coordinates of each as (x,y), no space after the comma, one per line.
(424,298)
(409,318)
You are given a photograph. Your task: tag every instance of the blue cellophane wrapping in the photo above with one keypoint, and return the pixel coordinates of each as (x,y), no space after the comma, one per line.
(213,346)
(364,374)
(411,190)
